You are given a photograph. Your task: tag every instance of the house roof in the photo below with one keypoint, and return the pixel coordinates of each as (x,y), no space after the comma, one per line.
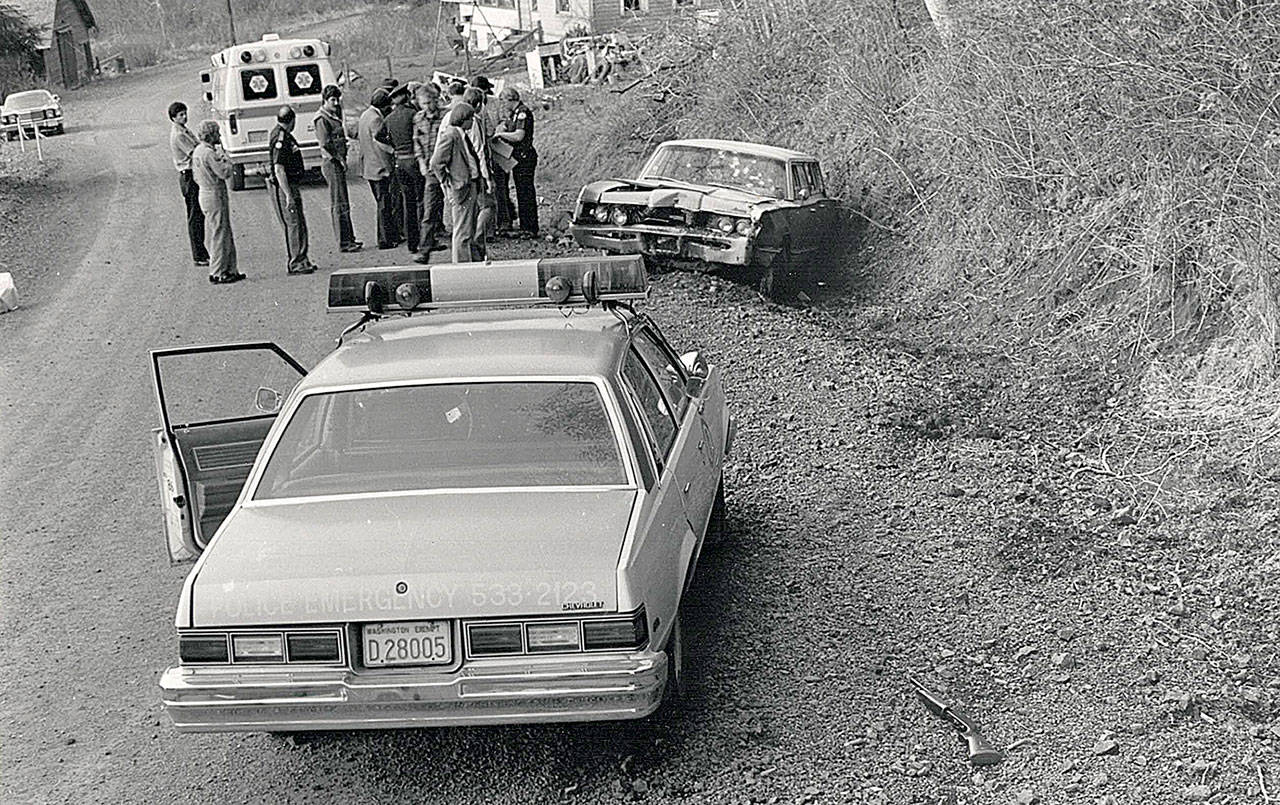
(40,13)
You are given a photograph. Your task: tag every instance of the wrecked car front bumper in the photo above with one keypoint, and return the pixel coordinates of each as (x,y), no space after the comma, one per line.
(666,241)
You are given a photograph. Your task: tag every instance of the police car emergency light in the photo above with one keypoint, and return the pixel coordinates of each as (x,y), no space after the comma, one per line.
(549,281)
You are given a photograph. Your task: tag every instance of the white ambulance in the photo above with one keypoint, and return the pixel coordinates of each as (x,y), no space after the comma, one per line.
(251,81)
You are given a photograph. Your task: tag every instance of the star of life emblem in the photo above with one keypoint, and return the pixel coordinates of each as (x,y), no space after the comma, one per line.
(302,80)
(258,84)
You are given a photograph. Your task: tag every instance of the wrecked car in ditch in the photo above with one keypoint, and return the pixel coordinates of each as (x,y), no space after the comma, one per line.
(721,202)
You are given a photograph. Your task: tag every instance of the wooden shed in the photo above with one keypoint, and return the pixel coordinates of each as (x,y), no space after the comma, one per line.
(63,28)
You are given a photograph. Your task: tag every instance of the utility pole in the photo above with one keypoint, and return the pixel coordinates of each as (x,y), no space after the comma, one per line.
(231,18)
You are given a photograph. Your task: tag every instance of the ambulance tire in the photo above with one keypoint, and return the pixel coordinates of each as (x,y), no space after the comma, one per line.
(237,177)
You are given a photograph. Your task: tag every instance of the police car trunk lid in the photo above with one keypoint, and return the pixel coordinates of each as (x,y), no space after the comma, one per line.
(433,555)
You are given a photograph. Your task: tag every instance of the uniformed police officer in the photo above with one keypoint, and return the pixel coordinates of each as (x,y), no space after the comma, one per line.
(519,132)
(286,198)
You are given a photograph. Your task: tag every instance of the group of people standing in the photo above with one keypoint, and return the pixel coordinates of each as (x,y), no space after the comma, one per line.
(437,164)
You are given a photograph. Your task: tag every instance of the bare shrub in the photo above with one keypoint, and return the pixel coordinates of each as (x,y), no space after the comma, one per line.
(1089,176)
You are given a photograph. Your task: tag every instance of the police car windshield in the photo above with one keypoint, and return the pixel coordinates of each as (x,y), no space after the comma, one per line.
(719,167)
(27,100)
(452,436)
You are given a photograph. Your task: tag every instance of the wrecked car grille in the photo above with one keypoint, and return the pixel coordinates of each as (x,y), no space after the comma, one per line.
(664,216)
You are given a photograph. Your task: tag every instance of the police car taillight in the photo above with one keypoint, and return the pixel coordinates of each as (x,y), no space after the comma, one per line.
(631,631)
(550,281)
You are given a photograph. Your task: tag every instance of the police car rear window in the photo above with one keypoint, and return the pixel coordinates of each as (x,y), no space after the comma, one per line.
(258,84)
(445,436)
(304,79)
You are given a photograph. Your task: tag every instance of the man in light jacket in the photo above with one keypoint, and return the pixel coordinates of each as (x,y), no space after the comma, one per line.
(456,166)
(379,164)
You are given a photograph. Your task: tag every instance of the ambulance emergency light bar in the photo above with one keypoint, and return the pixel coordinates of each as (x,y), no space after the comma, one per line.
(549,281)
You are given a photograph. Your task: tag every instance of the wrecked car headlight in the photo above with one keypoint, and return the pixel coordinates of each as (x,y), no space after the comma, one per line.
(743,227)
(724,225)
(618,216)
(600,213)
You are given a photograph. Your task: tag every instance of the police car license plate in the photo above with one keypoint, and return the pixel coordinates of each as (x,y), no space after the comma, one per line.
(407,643)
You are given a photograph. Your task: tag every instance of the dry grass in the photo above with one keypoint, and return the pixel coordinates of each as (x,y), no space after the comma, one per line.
(1089,178)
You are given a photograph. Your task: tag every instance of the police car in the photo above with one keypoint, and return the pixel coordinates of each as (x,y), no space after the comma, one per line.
(248,84)
(484,506)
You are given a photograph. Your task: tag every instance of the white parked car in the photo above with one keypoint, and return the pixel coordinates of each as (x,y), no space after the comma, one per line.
(33,109)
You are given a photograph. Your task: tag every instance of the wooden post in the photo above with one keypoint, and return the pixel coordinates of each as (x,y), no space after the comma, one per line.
(389,75)
(435,43)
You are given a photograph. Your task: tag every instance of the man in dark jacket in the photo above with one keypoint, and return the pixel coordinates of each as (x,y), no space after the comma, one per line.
(399,128)
(378,164)
(333,164)
(286,197)
(518,131)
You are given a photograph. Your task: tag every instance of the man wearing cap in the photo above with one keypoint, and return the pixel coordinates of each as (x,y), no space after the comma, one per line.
(378,165)
(399,128)
(426,128)
(286,198)
(332,137)
(519,132)
(455,164)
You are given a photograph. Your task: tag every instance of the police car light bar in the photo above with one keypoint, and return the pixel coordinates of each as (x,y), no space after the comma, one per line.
(549,281)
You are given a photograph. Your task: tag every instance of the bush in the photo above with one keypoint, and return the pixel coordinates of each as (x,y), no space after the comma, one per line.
(1091,176)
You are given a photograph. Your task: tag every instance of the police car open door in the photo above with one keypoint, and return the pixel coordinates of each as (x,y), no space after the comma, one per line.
(216,405)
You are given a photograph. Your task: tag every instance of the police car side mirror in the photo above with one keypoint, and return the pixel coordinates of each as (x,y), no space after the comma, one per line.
(204,77)
(695,366)
(267,400)
(208,96)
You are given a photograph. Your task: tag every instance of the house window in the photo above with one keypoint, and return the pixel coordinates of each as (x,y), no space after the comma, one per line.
(684,3)
(562,6)
(634,6)
(496,3)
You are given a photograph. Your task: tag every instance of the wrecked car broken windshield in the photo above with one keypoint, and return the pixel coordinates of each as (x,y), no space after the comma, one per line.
(719,167)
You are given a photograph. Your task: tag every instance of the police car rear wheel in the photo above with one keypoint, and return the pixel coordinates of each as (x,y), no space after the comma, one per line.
(718,524)
(675,689)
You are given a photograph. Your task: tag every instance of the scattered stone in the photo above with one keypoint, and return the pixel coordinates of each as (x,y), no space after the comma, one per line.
(1026,797)
(1022,652)
(954,492)
(1106,746)
(1063,660)
(1067,634)
(1151,677)
(639,786)
(1197,793)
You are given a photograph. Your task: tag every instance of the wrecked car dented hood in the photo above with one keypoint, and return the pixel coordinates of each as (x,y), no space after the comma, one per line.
(457,554)
(655,194)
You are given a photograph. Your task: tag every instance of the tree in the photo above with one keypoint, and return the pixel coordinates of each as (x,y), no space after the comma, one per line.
(18,52)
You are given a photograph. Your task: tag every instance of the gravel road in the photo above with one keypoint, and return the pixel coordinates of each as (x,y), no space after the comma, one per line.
(888,514)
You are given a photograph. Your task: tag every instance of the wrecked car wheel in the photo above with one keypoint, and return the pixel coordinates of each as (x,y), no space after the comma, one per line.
(775,277)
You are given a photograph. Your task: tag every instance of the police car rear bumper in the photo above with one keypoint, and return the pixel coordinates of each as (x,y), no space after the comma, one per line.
(665,241)
(530,690)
